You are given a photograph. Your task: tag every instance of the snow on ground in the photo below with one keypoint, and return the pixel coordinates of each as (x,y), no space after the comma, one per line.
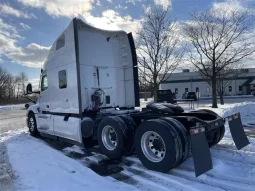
(246,109)
(6,173)
(144,103)
(11,107)
(74,148)
(228,162)
(40,167)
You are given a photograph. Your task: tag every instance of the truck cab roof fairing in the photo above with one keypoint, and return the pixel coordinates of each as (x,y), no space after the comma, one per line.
(79,25)
(70,28)
(79,21)
(79,48)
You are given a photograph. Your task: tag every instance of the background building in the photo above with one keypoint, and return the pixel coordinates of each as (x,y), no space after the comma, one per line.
(187,81)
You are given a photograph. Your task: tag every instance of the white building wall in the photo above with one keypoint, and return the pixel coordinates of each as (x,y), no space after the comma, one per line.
(203,88)
(190,81)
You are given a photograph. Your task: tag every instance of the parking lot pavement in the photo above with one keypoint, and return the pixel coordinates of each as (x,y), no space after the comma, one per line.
(9,120)
(6,173)
(12,120)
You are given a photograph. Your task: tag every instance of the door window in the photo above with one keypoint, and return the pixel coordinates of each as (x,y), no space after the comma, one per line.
(44,84)
(62,79)
(60,42)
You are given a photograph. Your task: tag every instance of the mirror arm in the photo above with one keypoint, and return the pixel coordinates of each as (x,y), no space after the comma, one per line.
(36,92)
(33,92)
(31,100)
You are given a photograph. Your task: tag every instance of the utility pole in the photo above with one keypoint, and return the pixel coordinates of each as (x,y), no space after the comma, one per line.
(145,92)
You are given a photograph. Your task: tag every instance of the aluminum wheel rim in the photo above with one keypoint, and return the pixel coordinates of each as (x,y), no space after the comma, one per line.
(147,144)
(109,138)
(31,124)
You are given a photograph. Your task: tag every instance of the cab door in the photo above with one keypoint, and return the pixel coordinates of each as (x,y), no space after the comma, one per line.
(69,127)
(44,118)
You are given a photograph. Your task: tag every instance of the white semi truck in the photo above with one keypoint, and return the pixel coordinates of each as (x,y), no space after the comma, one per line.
(89,90)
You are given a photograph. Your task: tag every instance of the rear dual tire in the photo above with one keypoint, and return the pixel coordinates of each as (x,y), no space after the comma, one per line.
(115,136)
(217,136)
(184,136)
(169,149)
(161,144)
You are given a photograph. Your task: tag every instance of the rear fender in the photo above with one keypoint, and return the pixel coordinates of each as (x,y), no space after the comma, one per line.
(33,108)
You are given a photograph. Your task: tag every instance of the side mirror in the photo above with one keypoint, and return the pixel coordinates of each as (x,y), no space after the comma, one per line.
(29,89)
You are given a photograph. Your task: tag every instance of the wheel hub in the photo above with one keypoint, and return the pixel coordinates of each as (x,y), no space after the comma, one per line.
(153,146)
(158,144)
(109,138)
(31,124)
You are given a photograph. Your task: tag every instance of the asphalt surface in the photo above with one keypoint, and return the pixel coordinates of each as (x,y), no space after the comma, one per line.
(12,120)
(9,120)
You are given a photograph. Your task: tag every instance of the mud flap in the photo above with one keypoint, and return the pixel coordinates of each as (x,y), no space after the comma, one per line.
(237,131)
(201,152)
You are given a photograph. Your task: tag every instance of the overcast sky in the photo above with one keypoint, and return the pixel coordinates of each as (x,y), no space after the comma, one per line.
(29,27)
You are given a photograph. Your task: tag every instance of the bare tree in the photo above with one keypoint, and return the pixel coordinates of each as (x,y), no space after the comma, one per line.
(9,87)
(9,90)
(4,78)
(18,83)
(24,80)
(225,78)
(158,47)
(13,86)
(219,41)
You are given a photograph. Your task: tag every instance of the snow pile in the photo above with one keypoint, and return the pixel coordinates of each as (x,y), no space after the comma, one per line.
(246,109)
(40,167)
(11,107)
(144,103)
